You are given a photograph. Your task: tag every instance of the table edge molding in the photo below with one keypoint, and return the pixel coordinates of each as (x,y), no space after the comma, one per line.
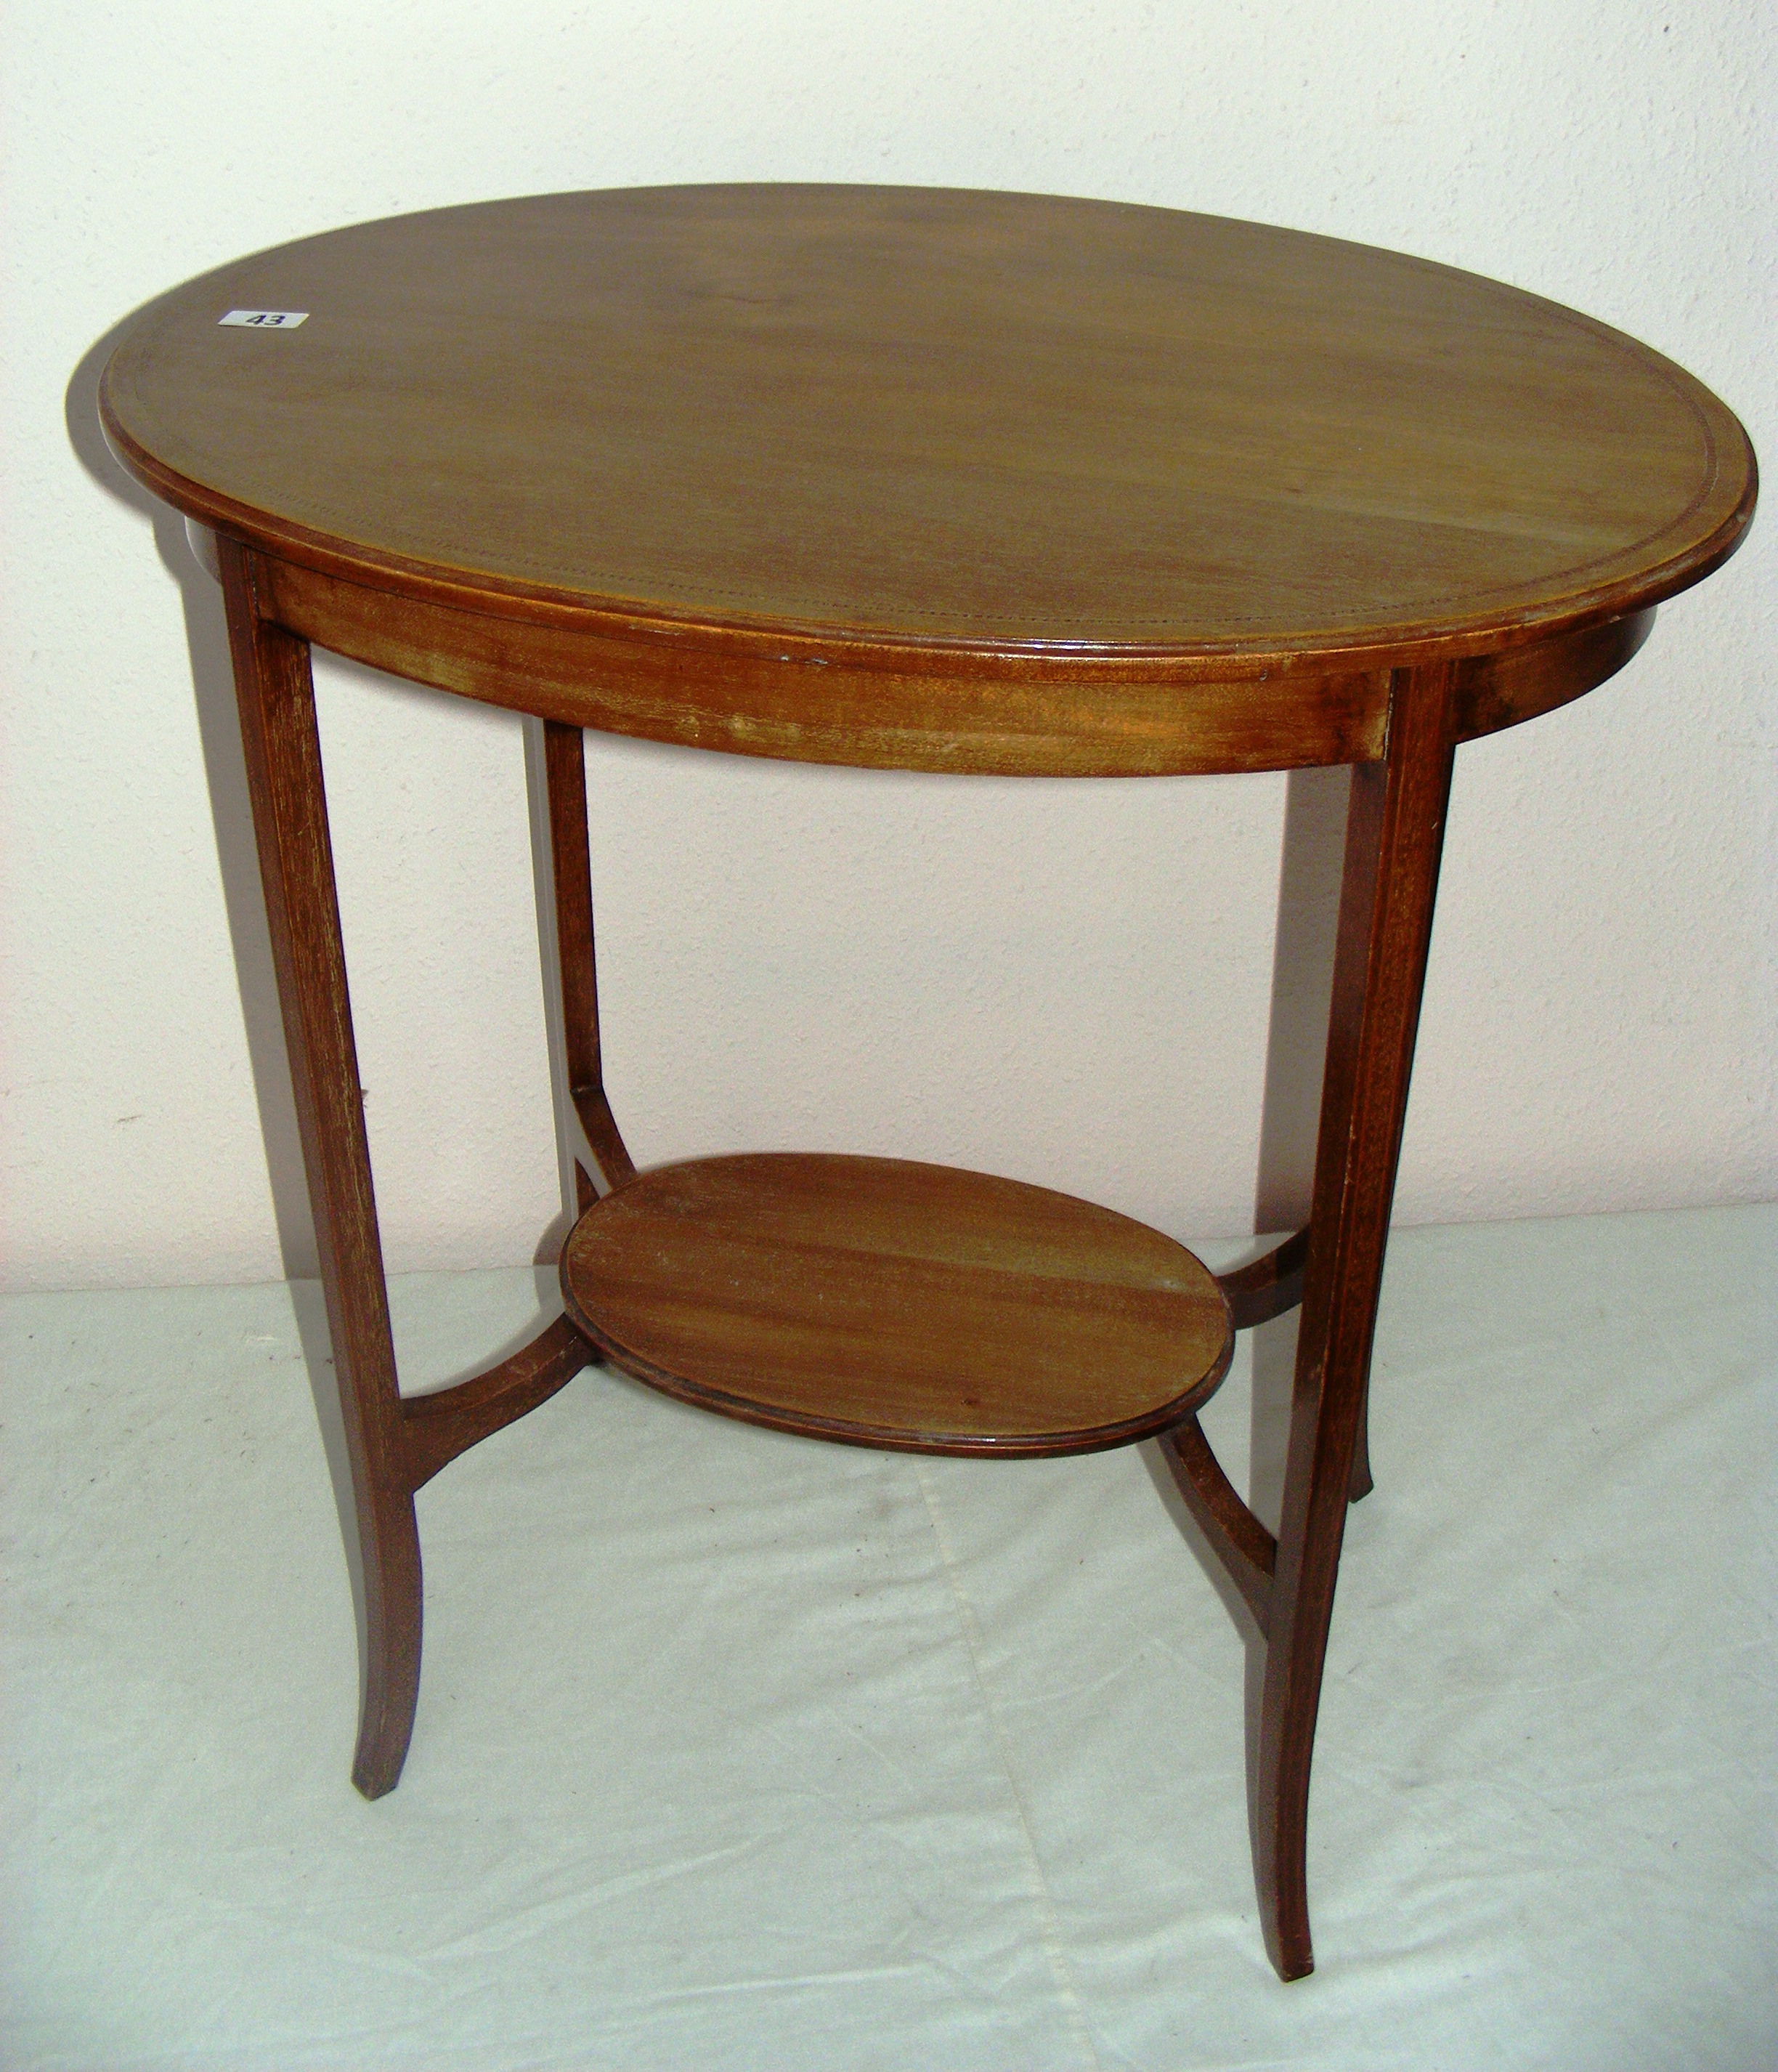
(291,545)
(1132,722)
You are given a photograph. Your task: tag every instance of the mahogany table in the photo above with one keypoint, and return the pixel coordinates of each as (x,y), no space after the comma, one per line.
(914,480)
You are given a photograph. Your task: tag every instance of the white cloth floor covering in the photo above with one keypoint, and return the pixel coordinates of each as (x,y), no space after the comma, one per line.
(738,1750)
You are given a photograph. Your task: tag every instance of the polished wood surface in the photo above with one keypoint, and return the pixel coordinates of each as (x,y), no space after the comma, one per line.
(1269,1286)
(1246,1550)
(439,1426)
(898,1305)
(913,479)
(564,764)
(392,1444)
(1116,722)
(1395,838)
(918,430)
(276,696)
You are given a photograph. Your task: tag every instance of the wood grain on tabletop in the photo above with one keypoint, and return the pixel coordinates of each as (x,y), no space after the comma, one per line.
(914,419)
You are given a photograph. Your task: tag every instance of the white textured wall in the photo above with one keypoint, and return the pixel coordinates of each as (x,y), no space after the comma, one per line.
(1066,982)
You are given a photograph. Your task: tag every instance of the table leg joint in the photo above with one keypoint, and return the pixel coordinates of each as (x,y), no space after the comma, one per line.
(1269,1285)
(1245,1549)
(610,1152)
(436,1429)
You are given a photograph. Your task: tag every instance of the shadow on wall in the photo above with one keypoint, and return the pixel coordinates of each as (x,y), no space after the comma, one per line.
(225,772)
(231,813)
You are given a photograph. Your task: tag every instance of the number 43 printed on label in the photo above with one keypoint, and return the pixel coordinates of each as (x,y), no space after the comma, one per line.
(266,319)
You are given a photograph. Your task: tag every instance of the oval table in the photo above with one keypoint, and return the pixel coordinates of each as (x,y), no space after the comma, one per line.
(915,479)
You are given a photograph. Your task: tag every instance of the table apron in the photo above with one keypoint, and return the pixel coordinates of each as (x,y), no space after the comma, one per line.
(808,710)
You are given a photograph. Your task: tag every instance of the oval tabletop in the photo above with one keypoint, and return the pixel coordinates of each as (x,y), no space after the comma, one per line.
(920,418)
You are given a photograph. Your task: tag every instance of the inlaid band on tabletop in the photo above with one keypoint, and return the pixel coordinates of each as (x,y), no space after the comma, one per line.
(912,479)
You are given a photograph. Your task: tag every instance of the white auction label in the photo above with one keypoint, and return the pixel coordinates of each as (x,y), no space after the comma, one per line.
(266,319)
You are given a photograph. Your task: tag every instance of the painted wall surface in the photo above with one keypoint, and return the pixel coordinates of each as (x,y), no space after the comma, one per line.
(1068,982)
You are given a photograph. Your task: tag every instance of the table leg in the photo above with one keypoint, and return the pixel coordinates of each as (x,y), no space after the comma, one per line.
(571,891)
(1395,834)
(1363,1482)
(283,774)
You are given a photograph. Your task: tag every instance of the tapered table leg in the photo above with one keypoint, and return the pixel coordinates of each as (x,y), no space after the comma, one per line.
(1362,1481)
(283,774)
(570,894)
(1395,834)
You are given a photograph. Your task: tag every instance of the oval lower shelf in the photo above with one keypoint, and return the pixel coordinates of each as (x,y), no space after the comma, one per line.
(885,1303)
